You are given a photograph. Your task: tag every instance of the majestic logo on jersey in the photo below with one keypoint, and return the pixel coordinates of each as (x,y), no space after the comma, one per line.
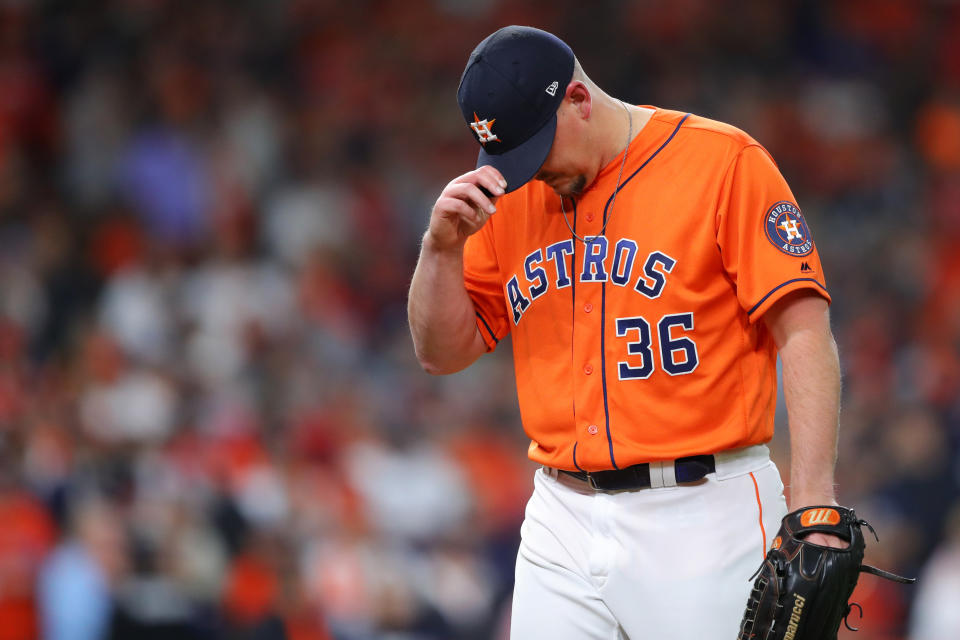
(787,230)
(482,129)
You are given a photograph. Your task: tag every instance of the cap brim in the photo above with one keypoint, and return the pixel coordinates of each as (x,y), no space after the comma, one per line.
(519,165)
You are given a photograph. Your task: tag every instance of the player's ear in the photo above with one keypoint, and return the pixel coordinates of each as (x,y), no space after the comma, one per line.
(578,96)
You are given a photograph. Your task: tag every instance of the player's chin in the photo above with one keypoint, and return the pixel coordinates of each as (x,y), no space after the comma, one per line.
(579,184)
(570,188)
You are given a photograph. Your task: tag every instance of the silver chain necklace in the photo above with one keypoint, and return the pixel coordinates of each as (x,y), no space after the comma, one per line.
(615,190)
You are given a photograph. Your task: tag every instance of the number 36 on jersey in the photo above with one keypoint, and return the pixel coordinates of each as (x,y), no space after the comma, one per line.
(617,263)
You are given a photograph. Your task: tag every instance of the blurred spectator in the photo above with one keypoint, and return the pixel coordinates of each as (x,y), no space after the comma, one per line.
(75,585)
(26,537)
(412,492)
(251,599)
(935,614)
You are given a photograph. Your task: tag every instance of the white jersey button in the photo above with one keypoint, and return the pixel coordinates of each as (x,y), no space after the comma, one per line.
(592,429)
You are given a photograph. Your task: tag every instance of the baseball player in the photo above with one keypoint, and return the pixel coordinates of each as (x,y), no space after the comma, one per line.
(650,265)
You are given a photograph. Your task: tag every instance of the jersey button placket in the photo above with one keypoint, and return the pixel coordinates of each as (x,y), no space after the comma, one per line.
(588,279)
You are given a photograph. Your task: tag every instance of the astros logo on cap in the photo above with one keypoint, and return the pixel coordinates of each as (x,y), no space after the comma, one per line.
(482,129)
(787,230)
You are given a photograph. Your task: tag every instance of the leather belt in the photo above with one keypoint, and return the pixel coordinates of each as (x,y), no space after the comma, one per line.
(654,474)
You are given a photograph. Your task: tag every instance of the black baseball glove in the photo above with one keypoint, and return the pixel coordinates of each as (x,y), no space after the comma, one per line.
(801,591)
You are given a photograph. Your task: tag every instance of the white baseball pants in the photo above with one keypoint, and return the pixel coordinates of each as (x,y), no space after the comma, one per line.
(667,564)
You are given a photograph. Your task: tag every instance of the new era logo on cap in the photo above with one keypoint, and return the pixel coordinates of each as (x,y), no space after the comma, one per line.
(516,77)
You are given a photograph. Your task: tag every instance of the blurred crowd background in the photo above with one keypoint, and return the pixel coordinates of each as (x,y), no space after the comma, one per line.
(212,424)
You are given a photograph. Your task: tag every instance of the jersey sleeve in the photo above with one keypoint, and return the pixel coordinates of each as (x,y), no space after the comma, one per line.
(765,242)
(481,275)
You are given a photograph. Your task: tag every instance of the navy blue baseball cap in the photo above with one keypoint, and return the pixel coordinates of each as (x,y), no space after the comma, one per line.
(514,82)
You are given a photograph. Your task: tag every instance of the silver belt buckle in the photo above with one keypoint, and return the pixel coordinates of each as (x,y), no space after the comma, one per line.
(592,482)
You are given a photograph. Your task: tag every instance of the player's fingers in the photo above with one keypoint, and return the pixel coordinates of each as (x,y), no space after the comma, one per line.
(471,218)
(462,211)
(491,180)
(494,173)
(453,203)
(471,193)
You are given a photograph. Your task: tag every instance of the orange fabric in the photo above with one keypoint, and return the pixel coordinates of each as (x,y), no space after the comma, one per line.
(27,535)
(500,478)
(302,628)
(251,590)
(647,347)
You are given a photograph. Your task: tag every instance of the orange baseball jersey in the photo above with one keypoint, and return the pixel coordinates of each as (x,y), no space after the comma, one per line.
(644,344)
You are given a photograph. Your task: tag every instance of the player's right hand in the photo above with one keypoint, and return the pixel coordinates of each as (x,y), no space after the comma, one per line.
(462,208)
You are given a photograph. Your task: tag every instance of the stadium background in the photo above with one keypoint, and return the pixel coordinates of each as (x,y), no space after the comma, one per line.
(211,421)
